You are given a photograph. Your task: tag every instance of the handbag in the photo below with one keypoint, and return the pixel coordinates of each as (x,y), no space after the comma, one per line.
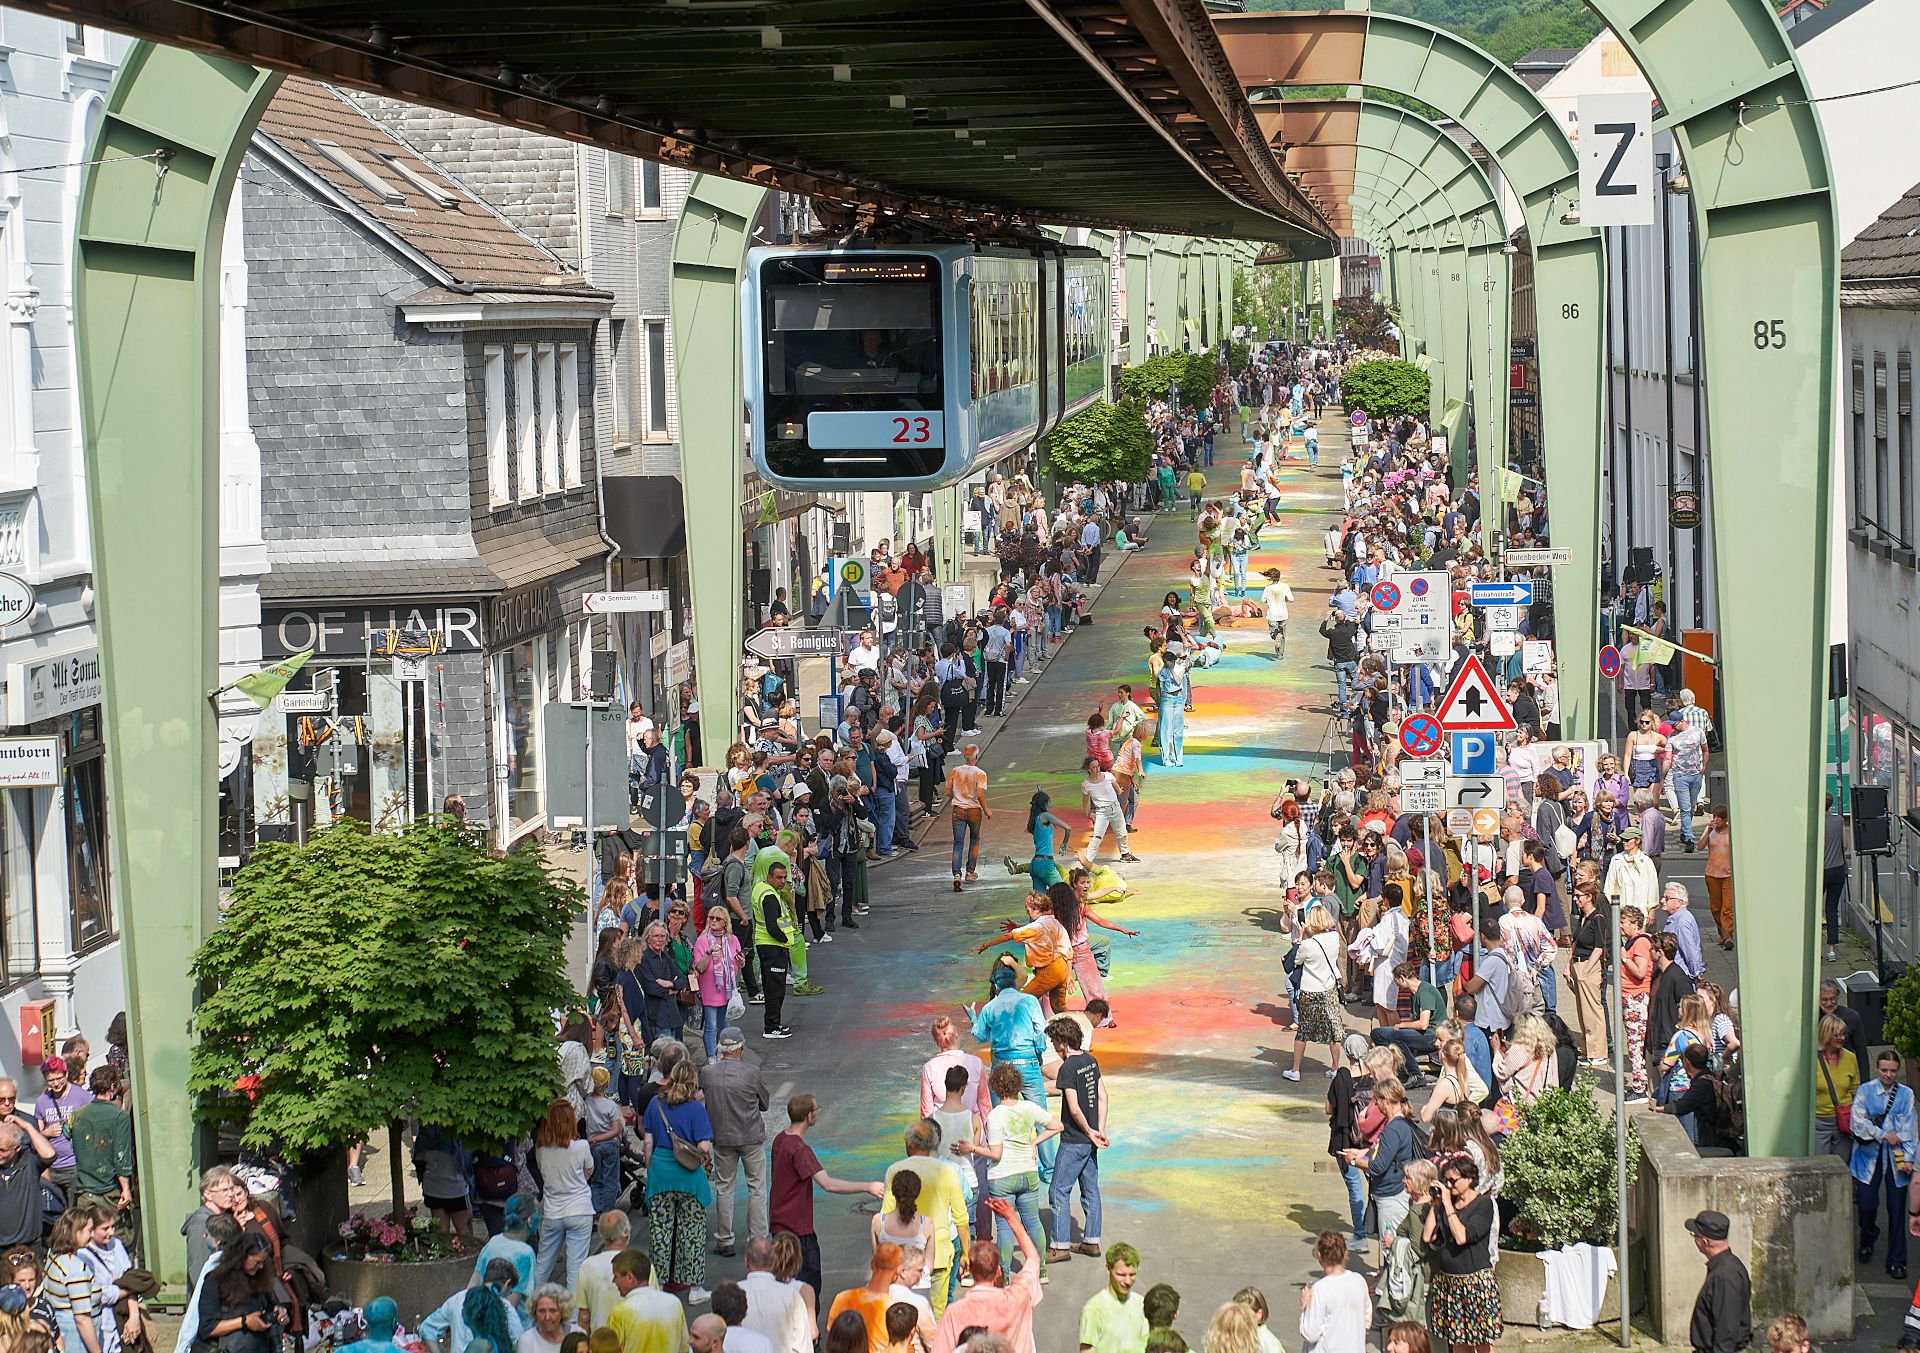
(1842,1113)
(685,1154)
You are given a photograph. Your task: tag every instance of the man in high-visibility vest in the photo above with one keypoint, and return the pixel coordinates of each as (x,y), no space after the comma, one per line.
(773,925)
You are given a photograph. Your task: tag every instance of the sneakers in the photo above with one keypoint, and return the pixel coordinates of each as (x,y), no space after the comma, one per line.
(1632,1100)
(808,989)
(355,1177)
(825,939)
(724,1251)
(698,1296)
(1290,1074)
(971,732)
(1129,857)
(848,923)
(972,876)
(956,883)
(1012,868)
(756,999)
(782,1032)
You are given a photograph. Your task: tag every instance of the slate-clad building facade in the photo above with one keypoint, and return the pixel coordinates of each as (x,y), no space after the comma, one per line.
(421,382)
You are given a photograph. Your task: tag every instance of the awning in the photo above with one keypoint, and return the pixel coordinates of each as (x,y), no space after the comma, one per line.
(645,515)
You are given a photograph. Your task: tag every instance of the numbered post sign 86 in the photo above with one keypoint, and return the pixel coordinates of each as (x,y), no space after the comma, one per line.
(1616,159)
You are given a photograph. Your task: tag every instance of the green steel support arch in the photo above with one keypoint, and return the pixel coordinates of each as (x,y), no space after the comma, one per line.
(1531,150)
(146,322)
(709,250)
(1415,147)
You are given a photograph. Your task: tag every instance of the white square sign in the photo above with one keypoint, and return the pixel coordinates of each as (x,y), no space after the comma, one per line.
(1616,159)
(1423,785)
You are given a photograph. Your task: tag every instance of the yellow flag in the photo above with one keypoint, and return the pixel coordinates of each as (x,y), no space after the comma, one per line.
(1511,482)
(1654,653)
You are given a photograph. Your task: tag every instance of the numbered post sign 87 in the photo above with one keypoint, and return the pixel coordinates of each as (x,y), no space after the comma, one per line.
(1616,159)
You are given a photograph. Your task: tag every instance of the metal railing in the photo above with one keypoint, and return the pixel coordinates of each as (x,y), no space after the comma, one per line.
(1899,894)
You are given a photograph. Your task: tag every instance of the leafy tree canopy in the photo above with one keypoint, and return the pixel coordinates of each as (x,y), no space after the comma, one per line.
(363,978)
(1103,441)
(1193,374)
(1508,29)
(1365,323)
(1386,388)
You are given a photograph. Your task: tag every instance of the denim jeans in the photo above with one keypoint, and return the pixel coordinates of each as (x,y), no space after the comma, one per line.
(1239,573)
(557,1233)
(605,1184)
(1346,674)
(1412,1044)
(1687,790)
(966,841)
(1173,730)
(1549,987)
(713,1018)
(885,803)
(1356,1179)
(1077,1163)
(1023,1190)
(1866,1198)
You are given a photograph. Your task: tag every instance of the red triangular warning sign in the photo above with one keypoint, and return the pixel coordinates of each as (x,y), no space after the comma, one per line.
(1472,703)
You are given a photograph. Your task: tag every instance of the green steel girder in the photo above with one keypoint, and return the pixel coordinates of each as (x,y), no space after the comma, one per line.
(146,324)
(709,251)
(1763,211)
(1139,273)
(1531,150)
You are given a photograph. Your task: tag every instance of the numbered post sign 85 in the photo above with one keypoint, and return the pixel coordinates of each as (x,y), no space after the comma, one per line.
(1616,159)
(875,429)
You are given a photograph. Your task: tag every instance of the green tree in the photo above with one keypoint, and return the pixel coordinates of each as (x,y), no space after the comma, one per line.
(1386,388)
(1103,441)
(1506,29)
(1365,323)
(362,979)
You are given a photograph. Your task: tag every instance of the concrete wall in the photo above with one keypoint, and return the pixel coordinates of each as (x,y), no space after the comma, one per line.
(1856,45)
(1792,1227)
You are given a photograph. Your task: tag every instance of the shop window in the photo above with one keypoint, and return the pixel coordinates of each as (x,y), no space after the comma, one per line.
(569,396)
(22,934)
(521,677)
(88,879)
(1876,747)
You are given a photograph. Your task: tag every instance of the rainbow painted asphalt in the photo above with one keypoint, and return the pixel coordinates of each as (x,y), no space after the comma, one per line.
(1218,1168)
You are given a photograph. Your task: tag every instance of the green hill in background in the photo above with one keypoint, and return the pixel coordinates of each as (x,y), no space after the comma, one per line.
(1509,29)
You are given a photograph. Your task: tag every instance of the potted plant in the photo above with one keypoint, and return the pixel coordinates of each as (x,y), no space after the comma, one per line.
(1559,1181)
(404,1255)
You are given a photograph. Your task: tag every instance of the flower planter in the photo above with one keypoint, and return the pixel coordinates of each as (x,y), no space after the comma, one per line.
(417,1288)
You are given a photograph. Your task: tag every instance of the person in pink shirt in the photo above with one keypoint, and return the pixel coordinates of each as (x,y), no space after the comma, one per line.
(1099,746)
(717,964)
(996,1303)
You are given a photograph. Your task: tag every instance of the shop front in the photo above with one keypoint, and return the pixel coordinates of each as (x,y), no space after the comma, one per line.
(539,646)
(60,929)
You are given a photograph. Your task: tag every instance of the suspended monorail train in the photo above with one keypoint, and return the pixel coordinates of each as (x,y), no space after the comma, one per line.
(912,367)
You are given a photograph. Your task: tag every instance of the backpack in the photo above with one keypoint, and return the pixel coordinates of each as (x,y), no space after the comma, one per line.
(1522,996)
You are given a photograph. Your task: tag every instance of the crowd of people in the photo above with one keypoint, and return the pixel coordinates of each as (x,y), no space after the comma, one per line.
(1429,969)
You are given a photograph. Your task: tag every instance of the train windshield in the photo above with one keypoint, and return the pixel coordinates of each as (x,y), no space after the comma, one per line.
(852,347)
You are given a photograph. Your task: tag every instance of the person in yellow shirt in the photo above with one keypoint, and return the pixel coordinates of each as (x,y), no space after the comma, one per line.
(647,1320)
(941,1198)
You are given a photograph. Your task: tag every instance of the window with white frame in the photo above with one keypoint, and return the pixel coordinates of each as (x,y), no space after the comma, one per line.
(543,362)
(526,429)
(620,362)
(499,490)
(619,184)
(650,187)
(658,424)
(569,407)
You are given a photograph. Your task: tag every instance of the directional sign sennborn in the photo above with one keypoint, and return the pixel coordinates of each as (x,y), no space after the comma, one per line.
(1513,592)
(777,641)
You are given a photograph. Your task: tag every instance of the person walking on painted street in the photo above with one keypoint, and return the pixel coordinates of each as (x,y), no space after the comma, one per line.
(1884,1136)
(967,797)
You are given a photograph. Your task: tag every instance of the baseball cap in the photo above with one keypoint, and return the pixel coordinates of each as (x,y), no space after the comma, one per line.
(732,1037)
(1630,834)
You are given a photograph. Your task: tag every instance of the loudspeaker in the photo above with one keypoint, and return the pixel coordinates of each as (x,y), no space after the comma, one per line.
(1641,562)
(842,537)
(760,586)
(599,675)
(1837,672)
(1872,827)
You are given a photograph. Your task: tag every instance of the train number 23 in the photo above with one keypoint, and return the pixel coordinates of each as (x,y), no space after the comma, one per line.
(914,431)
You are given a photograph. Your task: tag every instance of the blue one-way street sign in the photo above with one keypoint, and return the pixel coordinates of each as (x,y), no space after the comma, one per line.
(1518,592)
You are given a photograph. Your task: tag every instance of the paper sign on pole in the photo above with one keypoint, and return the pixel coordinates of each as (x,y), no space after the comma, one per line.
(1536,657)
(1423,786)
(1503,643)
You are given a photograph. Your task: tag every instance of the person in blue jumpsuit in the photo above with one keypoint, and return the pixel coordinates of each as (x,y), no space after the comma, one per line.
(1173,695)
(1015,1028)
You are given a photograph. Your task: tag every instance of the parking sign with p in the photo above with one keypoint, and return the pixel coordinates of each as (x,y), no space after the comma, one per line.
(1473,754)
